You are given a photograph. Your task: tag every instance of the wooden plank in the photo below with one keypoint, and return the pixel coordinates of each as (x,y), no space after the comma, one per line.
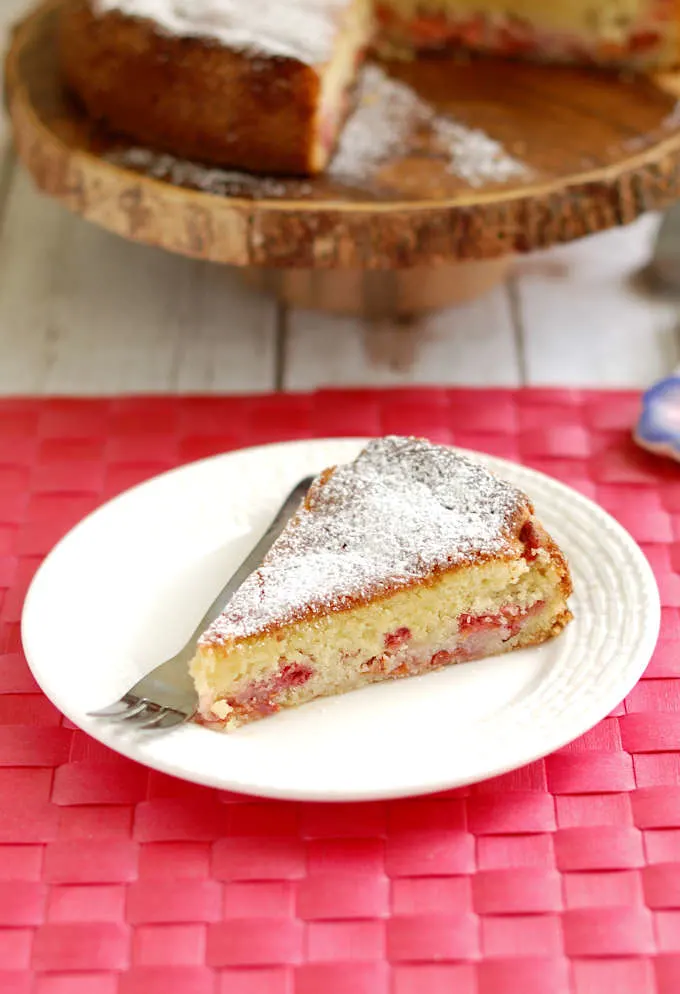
(83,312)
(584,322)
(471,344)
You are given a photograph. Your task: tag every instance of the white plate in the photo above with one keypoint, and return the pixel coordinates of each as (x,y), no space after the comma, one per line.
(125,588)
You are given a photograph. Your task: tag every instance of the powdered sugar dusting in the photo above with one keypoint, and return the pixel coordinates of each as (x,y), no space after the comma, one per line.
(219,182)
(386,113)
(474,156)
(303,29)
(389,115)
(403,509)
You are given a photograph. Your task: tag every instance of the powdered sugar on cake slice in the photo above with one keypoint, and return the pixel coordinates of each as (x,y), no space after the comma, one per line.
(304,29)
(403,509)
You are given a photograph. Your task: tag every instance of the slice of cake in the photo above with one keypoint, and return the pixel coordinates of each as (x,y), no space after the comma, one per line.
(635,33)
(406,560)
(260,85)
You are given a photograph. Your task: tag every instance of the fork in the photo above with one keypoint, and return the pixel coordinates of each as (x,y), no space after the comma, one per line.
(166,697)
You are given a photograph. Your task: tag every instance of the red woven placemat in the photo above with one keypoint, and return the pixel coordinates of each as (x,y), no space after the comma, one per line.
(560,878)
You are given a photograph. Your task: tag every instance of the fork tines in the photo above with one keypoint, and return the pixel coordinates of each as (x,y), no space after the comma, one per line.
(141,713)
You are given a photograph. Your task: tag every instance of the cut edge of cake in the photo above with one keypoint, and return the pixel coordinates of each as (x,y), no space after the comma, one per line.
(644,36)
(285,639)
(338,81)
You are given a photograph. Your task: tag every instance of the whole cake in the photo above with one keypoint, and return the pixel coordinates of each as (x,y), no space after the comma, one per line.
(406,560)
(265,85)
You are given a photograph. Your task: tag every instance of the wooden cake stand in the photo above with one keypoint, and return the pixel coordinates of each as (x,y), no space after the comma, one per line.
(598,151)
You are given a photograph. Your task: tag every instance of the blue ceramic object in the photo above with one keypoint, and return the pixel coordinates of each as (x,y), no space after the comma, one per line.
(659,426)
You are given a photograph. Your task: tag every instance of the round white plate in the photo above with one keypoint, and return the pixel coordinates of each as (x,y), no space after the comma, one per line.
(124,589)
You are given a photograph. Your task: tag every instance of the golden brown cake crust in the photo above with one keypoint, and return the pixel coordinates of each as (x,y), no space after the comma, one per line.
(168,92)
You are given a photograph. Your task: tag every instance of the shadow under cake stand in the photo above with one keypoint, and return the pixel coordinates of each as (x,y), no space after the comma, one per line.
(410,233)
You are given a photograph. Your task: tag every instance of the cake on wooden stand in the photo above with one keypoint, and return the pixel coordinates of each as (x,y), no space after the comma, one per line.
(444,170)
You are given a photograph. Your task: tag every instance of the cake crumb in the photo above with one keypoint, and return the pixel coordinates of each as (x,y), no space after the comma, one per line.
(221,709)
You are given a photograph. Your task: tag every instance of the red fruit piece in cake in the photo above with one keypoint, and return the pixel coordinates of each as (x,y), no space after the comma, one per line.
(395,639)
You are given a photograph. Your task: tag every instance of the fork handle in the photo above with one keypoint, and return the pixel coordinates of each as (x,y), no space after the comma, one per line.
(253,560)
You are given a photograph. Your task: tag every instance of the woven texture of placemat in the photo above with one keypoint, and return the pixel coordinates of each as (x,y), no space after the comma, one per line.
(560,878)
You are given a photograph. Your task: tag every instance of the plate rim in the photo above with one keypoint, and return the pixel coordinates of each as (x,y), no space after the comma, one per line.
(649,634)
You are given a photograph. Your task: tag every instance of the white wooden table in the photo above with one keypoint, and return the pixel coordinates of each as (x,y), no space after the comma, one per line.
(83,312)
